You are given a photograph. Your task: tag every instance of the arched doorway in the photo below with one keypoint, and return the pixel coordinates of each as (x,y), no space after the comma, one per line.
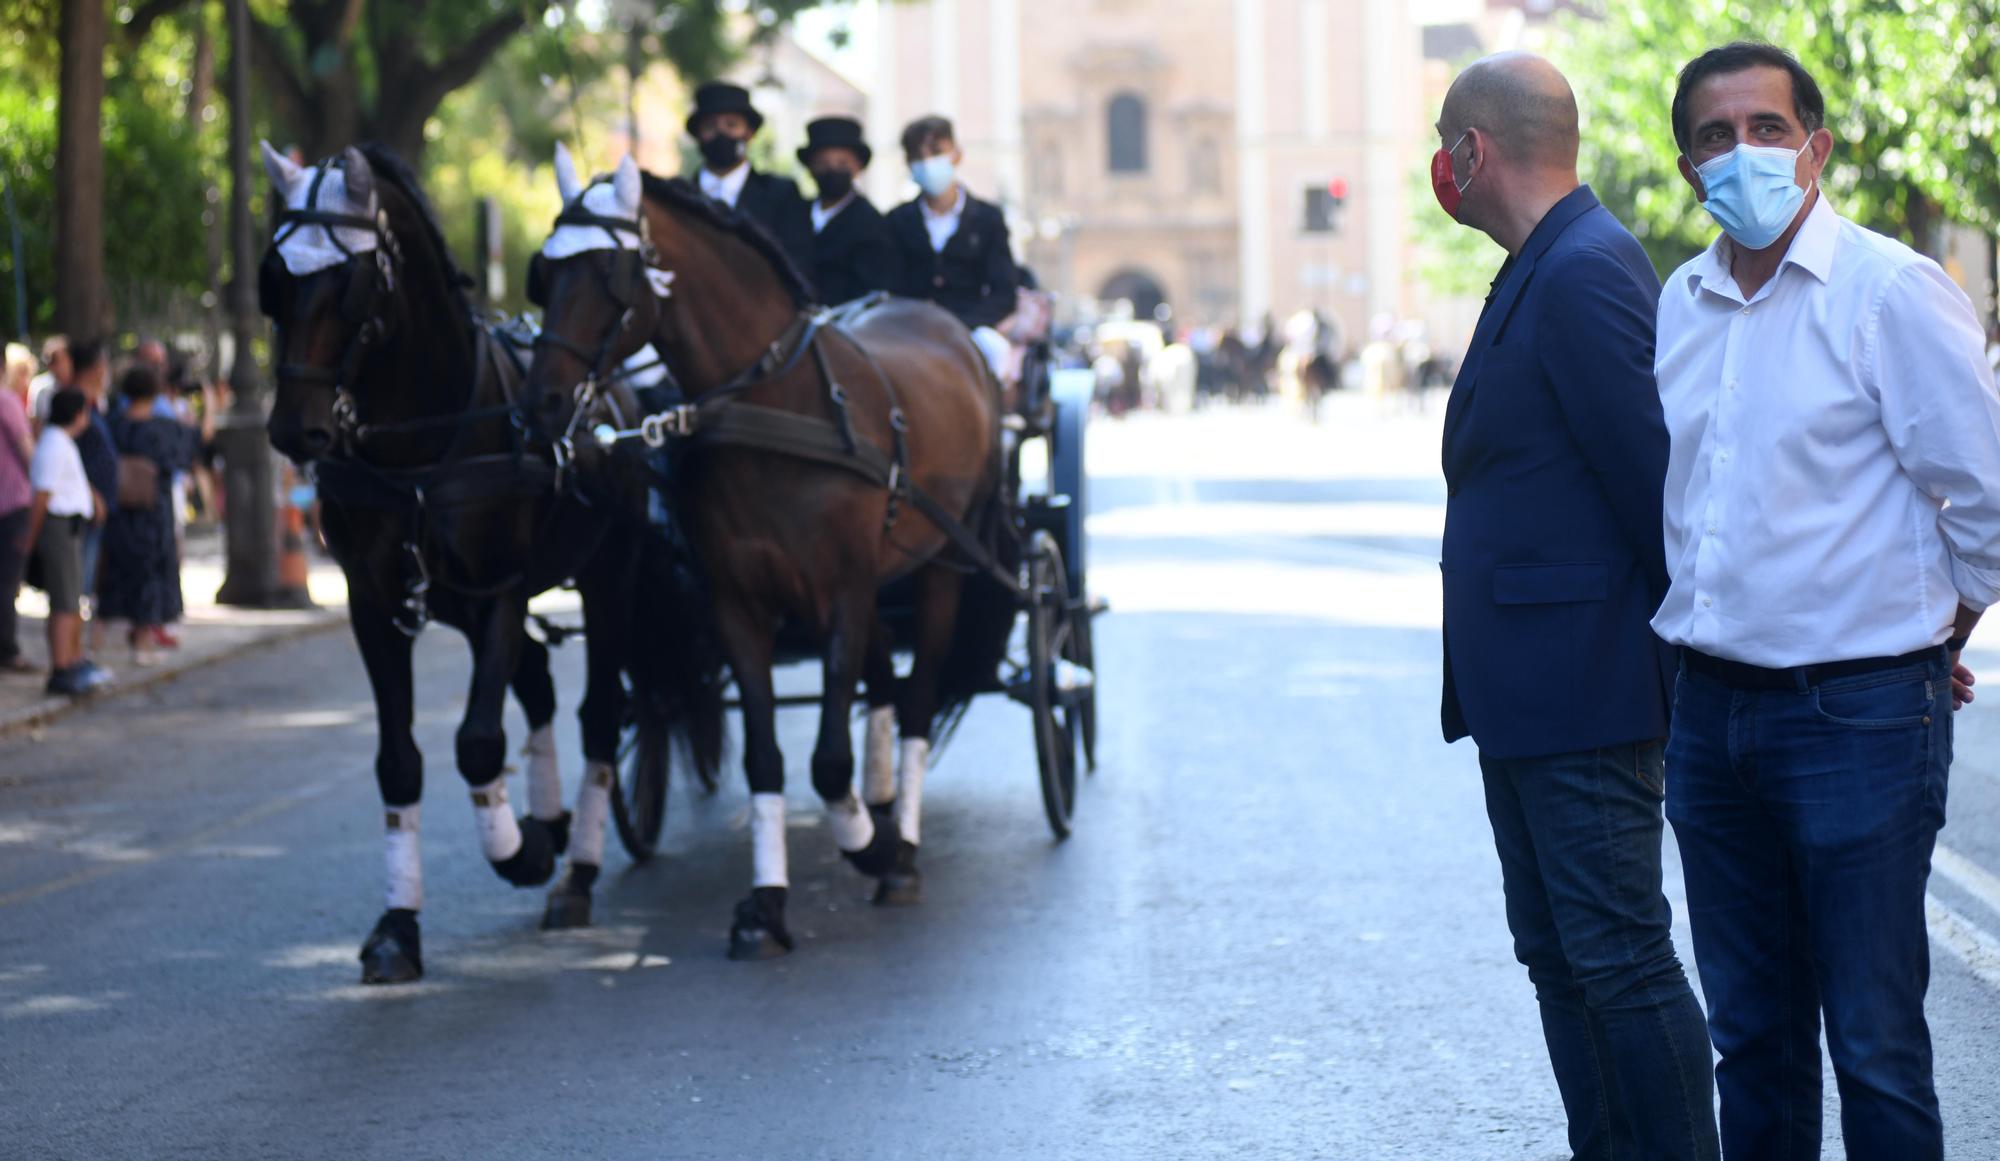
(1142,290)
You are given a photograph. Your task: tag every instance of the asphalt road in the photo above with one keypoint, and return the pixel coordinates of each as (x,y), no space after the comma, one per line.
(1277,932)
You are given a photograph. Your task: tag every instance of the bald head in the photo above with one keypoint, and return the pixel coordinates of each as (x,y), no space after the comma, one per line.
(1522,102)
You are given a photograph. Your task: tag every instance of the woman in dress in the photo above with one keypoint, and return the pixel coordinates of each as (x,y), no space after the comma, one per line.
(141,581)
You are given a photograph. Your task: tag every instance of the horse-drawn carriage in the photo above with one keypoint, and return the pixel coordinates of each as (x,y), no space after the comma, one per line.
(846,486)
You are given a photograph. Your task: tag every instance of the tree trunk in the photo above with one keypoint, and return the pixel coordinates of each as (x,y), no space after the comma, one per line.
(80,299)
(251,578)
(200,94)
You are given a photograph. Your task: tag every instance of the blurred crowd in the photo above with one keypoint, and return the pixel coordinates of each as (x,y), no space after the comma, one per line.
(1143,364)
(106,459)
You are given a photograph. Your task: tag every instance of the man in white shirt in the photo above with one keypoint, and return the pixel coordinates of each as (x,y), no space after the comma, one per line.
(1832,519)
(63,504)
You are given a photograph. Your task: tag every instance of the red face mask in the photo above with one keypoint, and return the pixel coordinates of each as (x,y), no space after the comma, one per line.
(1444,183)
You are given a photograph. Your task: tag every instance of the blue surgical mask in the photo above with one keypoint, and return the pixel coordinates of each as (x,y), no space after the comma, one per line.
(933,175)
(1753,192)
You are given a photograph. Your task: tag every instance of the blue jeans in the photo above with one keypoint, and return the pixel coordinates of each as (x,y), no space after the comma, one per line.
(1579,841)
(1806,819)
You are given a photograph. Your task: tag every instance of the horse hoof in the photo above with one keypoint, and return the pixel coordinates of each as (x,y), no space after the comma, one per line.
(900,889)
(535,863)
(880,856)
(759,931)
(393,953)
(569,901)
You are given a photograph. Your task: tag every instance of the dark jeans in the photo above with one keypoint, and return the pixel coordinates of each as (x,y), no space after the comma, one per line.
(1579,841)
(1806,819)
(12,563)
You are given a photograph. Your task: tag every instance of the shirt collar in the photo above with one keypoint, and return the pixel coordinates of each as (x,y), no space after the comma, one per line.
(1811,251)
(726,187)
(957,207)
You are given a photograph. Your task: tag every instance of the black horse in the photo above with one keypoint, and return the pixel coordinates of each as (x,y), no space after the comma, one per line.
(390,385)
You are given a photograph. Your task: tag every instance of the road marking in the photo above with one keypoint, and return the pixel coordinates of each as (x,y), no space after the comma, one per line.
(184,845)
(1977,950)
(1967,876)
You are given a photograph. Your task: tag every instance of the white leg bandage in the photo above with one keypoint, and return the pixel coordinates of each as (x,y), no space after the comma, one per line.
(400,854)
(852,826)
(910,787)
(593,806)
(767,841)
(544,774)
(878,758)
(499,834)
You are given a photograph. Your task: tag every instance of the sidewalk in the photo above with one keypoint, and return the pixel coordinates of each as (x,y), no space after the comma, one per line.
(209,633)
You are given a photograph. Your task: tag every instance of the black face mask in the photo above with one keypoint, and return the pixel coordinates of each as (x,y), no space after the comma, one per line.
(834,184)
(722,152)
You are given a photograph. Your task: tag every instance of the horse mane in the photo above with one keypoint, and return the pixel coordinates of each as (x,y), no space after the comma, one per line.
(682,195)
(392,169)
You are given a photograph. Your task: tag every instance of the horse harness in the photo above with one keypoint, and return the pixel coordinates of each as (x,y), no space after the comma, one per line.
(454,481)
(722,418)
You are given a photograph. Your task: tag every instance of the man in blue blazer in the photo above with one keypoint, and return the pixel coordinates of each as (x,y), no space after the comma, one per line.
(1554,458)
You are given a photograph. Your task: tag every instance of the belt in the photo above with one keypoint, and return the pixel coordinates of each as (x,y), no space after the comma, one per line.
(1800,677)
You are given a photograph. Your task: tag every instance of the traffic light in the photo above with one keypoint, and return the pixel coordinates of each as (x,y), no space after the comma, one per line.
(1324,204)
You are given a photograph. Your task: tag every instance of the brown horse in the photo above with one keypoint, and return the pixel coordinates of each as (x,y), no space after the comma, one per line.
(786,530)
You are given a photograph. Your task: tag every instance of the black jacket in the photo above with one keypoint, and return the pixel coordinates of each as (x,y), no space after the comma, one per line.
(855,254)
(775,203)
(973,276)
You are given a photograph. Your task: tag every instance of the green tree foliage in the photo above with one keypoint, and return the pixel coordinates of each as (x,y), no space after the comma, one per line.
(474,92)
(157,158)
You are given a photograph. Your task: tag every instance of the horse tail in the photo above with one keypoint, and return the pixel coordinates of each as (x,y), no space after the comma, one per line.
(679,661)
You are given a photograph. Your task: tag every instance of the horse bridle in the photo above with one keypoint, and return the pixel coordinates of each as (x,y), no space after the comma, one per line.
(624,279)
(364,301)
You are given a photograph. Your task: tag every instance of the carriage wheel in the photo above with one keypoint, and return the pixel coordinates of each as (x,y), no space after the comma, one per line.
(639,800)
(1051,637)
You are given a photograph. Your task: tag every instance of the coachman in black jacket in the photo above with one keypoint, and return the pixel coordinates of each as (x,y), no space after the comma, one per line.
(853,252)
(722,123)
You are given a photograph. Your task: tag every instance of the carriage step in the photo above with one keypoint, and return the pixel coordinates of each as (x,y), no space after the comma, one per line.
(1073,683)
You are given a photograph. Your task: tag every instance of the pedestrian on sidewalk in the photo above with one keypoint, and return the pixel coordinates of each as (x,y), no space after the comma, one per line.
(62,508)
(91,370)
(1554,456)
(1833,533)
(17,452)
(56,375)
(142,568)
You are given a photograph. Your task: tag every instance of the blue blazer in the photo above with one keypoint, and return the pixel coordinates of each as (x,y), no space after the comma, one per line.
(1555,454)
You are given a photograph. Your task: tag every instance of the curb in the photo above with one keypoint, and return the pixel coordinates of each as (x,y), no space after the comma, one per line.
(50,709)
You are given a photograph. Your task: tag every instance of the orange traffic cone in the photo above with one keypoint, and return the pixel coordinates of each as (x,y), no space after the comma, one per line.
(294,573)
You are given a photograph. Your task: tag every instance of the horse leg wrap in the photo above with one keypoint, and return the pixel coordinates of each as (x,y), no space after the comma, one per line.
(878,775)
(499,833)
(853,828)
(402,858)
(593,807)
(910,787)
(767,841)
(544,774)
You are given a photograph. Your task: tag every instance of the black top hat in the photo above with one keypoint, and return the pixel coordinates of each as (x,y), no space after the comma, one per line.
(834,132)
(715,97)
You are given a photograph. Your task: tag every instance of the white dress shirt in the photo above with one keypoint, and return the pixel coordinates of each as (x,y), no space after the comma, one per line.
(942,226)
(1833,487)
(58,470)
(822,214)
(727,187)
